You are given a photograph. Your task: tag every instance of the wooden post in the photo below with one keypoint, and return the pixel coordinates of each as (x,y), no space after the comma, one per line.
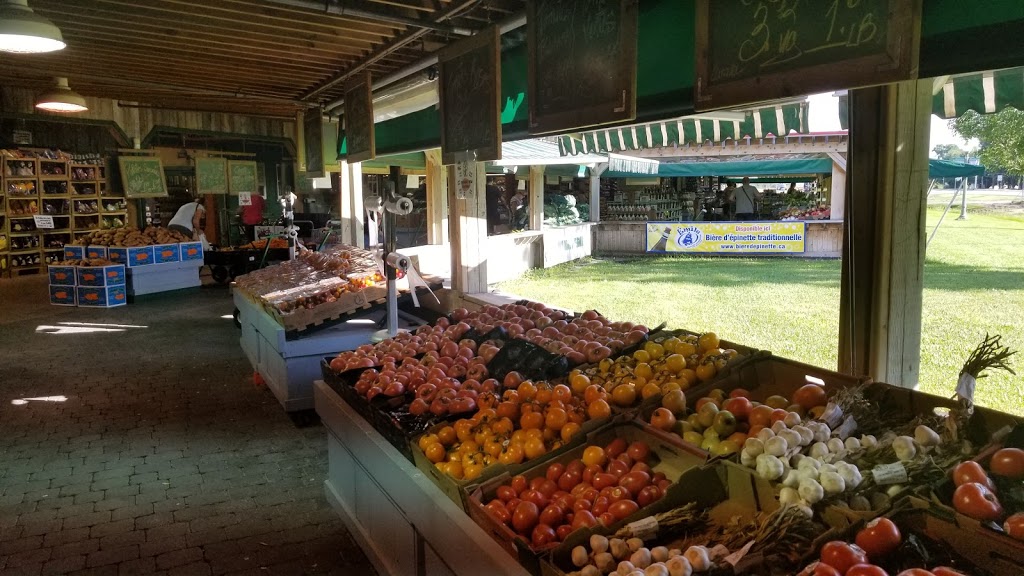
(468,234)
(437,199)
(595,191)
(883,252)
(355,174)
(536,184)
(345,192)
(837,195)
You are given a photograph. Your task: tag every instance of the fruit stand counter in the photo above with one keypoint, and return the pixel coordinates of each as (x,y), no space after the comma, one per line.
(401,519)
(824,239)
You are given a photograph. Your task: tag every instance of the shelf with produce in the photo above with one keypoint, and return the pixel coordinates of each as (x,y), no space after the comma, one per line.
(84,188)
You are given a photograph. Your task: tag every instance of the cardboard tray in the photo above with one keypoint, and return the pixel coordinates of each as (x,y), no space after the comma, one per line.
(672,458)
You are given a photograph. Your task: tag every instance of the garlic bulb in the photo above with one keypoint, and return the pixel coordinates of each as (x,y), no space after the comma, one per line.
(591,570)
(598,543)
(641,558)
(580,558)
(925,436)
(657,569)
(904,448)
(625,568)
(769,468)
(819,450)
(789,496)
(868,441)
(618,548)
(806,435)
(835,445)
(698,557)
(746,459)
(792,438)
(850,473)
(765,434)
(852,444)
(634,544)
(754,447)
(791,419)
(808,463)
(792,478)
(776,446)
(679,566)
(779,426)
(832,483)
(811,491)
(605,562)
(659,554)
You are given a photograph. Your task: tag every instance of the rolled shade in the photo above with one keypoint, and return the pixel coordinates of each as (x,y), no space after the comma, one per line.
(985,93)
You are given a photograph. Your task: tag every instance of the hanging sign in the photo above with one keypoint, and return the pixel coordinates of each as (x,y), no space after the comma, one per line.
(582,63)
(470,92)
(211,176)
(43,221)
(313,142)
(245,198)
(758,50)
(727,237)
(465,180)
(359,130)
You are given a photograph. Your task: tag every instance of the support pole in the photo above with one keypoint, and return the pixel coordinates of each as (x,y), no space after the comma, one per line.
(468,234)
(963,201)
(536,197)
(837,195)
(595,191)
(437,198)
(390,245)
(941,218)
(355,174)
(884,248)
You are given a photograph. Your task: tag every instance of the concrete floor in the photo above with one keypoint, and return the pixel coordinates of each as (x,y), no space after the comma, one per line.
(133,441)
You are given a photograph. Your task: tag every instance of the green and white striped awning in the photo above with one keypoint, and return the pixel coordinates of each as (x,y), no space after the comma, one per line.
(984,92)
(774,120)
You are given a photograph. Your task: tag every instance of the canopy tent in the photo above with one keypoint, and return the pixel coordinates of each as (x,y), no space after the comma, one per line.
(949,169)
(777,120)
(737,168)
(984,92)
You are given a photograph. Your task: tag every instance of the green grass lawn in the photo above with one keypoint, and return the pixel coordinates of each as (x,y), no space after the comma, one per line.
(974,283)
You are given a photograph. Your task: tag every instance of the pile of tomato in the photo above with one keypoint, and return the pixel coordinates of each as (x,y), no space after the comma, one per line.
(977,493)
(605,485)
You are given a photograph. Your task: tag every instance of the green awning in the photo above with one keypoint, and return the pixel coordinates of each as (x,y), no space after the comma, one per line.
(416,160)
(776,120)
(948,169)
(772,179)
(737,168)
(985,93)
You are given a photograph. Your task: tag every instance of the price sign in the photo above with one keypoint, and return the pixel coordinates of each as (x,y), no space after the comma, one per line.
(465,180)
(757,50)
(469,93)
(245,198)
(43,221)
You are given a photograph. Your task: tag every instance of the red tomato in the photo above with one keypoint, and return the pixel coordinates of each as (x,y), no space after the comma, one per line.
(635,482)
(583,518)
(916,572)
(543,535)
(537,497)
(499,512)
(820,569)
(569,480)
(581,504)
(638,451)
(866,570)
(552,515)
(842,556)
(606,519)
(623,508)
(603,480)
(555,471)
(563,531)
(1009,463)
(977,501)
(519,483)
(1014,526)
(740,393)
(879,538)
(525,517)
(648,495)
(616,447)
(946,571)
(617,468)
(506,493)
(971,471)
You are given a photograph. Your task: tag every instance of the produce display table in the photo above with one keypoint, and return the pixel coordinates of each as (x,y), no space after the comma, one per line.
(154,278)
(402,521)
(290,364)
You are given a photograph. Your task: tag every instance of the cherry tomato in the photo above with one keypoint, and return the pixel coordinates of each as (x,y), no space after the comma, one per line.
(623,508)
(977,501)
(971,471)
(866,570)
(604,480)
(543,535)
(618,469)
(879,538)
(537,497)
(590,471)
(525,517)
(1014,526)
(569,480)
(547,488)
(606,519)
(1009,463)
(582,504)
(842,556)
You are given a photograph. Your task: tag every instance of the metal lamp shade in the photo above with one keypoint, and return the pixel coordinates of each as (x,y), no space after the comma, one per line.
(25,32)
(62,99)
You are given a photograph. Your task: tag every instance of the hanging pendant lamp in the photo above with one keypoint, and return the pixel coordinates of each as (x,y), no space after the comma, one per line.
(62,99)
(25,32)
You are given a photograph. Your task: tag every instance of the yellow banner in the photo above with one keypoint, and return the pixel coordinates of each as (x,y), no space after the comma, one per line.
(727,237)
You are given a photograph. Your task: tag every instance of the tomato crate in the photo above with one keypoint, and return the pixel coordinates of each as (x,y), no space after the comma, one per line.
(131,256)
(109,275)
(61,275)
(671,458)
(164,253)
(457,490)
(95,252)
(63,296)
(102,296)
(191,251)
(74,252)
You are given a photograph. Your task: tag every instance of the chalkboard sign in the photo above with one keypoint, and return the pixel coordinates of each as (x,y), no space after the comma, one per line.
(756,50)
(142,176)
(241,176)
(313,142)
(469,91)
(582,63)
(211,176)
(359,119)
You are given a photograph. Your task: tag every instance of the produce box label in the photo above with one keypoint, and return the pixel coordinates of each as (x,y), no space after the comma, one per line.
(74,252)
(113,275)
(96,252)
(132,256)
(727,237)
(105,297)
(191,251)
(61,275)
(62,295)
(164,253)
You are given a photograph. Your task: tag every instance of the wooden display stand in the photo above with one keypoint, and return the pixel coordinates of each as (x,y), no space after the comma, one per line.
(401,520)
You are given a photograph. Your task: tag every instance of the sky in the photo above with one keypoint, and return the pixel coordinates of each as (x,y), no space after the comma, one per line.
(823,115)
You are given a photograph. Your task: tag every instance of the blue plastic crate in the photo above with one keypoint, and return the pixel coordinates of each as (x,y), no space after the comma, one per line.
(102,297)
(110,275)
(132,256)
(61,275)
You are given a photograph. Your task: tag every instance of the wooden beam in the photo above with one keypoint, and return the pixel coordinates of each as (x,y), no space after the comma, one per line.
(437,198)
(837,193)
(468,233)
(536,185)
(358,213)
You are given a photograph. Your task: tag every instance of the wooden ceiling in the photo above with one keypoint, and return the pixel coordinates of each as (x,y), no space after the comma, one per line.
(262,57)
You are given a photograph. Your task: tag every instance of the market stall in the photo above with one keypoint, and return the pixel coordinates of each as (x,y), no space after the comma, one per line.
(486,447)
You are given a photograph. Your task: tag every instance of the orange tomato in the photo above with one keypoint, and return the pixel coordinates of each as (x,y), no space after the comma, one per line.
(568,431)
(527,391)
(643,370)
(435,452)
(624,394)
(427,440)
(556,418)
(579,383)
(446,435)
(502,426)
(599,409)
(594,456)
(708,341)
(512,454)
(663,419)
(508,410)
(810,396)
(760,416)
(650,389)
(562,393)
(531,420)
(706,371)
(675,363)
(778,414)
(534,448)
(593,393)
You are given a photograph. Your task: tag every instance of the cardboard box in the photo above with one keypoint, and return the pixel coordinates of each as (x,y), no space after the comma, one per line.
(63,296)
(133,256)
(61,275)
(191,251)
(95,251)
(74,252)
(164,253)
(102,297)
(110,275)
(674,459)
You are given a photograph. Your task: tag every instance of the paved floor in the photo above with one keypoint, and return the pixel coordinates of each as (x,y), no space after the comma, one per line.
(147,449)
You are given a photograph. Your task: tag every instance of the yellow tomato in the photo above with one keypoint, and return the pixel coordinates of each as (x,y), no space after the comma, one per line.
(643,370)
(707,341)
(675,363)
(654,350)
(642,356)
(624,394)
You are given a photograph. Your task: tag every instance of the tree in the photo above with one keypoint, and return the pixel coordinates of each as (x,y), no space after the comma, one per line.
(949,152)
(1001,136)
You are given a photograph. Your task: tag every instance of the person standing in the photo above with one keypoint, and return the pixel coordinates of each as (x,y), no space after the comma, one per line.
(252,214)
(745,198)
(188,219)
